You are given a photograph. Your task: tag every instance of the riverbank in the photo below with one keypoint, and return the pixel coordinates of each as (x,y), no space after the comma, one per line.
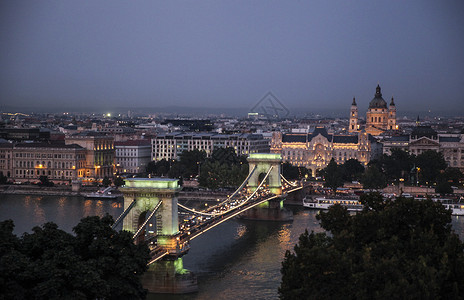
(59,190)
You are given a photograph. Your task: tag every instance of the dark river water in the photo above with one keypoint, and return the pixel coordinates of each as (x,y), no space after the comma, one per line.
(239,259)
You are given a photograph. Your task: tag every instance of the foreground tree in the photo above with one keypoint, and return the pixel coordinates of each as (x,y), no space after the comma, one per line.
(333,176)
(49,263)
(402,249)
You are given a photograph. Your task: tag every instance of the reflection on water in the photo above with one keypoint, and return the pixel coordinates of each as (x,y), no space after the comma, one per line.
(30,211)
(39,213)
(239,259)
(241,230)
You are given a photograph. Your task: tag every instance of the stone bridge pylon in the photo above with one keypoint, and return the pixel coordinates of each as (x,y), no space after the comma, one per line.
(153,217)
(261,164)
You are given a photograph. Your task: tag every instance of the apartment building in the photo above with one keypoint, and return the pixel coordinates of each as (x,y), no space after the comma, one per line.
(171,145)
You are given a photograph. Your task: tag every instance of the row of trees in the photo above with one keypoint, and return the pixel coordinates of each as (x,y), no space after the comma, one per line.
(403,249)
(428,168)
(223,169)
(95,263)
(117,181)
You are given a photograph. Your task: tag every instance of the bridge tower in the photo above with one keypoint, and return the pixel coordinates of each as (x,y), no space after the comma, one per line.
(154,217)
(262,162)
(269,210)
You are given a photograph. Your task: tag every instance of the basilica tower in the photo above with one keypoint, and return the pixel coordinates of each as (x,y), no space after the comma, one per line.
(392,116)
(353,127)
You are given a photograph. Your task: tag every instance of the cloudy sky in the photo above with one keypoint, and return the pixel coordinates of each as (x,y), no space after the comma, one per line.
(228,54)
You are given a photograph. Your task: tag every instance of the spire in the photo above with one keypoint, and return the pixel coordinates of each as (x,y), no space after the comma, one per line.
(354,101)
(417,121)
(392,103)
(378,94)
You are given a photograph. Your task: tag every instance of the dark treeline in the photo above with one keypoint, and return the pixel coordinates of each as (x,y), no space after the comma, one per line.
(402,249)
(428,168)
(96,262)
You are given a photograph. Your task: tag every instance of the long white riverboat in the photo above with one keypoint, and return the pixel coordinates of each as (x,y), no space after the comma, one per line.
(351,203)
(457,209)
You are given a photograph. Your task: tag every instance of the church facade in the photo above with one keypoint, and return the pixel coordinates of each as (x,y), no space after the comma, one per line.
(379,117)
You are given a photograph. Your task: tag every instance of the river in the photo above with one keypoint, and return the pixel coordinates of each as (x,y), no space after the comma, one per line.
(239,259)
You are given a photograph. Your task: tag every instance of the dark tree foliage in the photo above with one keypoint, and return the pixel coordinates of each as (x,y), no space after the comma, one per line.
(159,168)
(96,263)
(402,249)
(3,178)
(397,165)
(352,170)
(445,180)
(44,181)
(443,187)
(223,169)
(118,181)
(291,172)
(430,163)
(452,175)
(190,161)
(333,175)
(106,181)
(373,179)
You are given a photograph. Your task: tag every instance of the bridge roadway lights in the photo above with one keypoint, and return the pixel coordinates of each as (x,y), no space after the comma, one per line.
(166,275)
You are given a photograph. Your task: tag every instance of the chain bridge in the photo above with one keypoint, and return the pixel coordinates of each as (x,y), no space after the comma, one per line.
(151,213)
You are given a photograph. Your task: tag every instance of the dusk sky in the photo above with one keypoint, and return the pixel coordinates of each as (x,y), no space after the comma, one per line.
(310,54)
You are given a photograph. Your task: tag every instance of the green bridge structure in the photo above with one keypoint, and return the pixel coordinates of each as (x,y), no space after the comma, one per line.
(151,213)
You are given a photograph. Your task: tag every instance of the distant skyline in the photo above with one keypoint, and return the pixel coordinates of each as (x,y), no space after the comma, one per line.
(313,55)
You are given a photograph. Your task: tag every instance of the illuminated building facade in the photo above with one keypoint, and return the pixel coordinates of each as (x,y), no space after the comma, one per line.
(99,155)
(379,117)
(315,150)
(170,146)
(28,161)
(132,156)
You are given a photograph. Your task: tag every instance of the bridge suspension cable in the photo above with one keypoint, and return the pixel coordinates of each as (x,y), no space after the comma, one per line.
(236,191)
(221,213)
(146,220)
(288,182)
(259,186)
(123,215)
(194,211)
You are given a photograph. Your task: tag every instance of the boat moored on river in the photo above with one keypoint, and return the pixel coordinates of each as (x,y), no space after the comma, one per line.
(350,202)
(457,208)
(107,193)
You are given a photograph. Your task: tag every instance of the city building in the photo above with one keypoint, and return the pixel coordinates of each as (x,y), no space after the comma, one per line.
(171,145)
(379,117)
(99,155)
(132,156)
(424,138)
(24,162)
(315,149)
(25,134)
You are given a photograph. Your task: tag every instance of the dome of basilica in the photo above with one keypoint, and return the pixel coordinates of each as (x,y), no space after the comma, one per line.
(378,101)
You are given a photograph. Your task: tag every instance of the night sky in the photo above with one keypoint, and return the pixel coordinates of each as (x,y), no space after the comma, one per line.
(228,54)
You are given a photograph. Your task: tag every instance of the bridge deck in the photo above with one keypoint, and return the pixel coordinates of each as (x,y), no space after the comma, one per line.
(186,235)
